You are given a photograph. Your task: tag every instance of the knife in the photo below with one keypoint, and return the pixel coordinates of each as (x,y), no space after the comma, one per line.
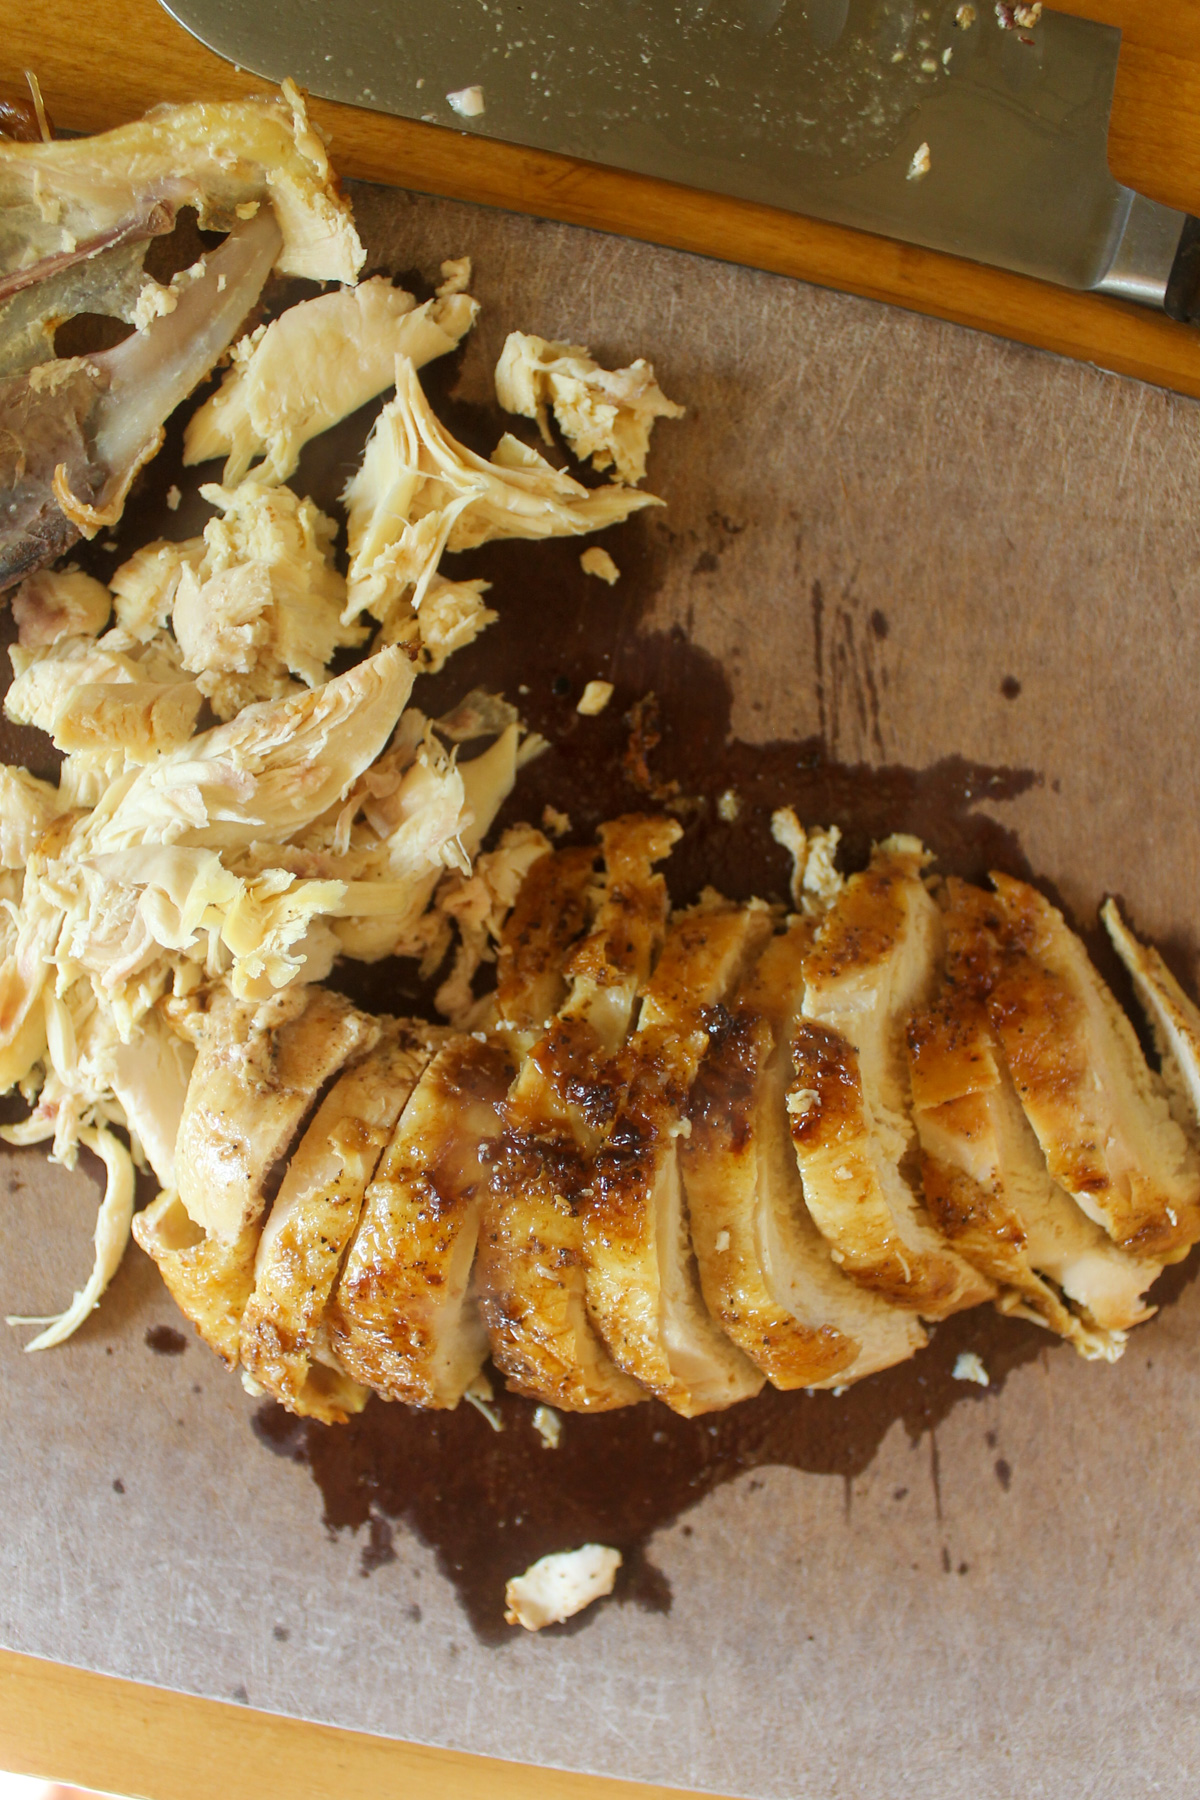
(977,129)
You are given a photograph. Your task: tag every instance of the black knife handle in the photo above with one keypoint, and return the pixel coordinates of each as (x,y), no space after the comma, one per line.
(1182,300)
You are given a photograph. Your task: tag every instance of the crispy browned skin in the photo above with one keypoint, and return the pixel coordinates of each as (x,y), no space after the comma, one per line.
(258,1071)
(531,1273)
(313,1219)
(876,958)
(1099,1112)
(641,1281)
(766,1271)
(987,1185)
(253,1081)
(209,1279)
(402,1319)
(550,913)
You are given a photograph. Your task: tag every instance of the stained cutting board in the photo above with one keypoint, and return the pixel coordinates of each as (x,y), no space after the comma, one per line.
(1118,472)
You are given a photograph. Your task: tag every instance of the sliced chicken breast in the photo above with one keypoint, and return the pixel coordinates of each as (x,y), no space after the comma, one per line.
(987,1185)
(402,1318)
(550,914)
(1101,1115)
(642,1285)
(875,959)
(531,1273)
(209,1278)
(258,1070)
(765,1270)
(314,1217)
(1174,1019)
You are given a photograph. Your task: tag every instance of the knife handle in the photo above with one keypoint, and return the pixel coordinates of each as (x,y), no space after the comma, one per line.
(1182,299)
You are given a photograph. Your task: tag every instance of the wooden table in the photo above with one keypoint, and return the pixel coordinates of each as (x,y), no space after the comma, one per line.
(100,66)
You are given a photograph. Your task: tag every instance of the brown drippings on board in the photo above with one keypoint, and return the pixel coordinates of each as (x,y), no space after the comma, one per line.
(164,1340)
(490,1503)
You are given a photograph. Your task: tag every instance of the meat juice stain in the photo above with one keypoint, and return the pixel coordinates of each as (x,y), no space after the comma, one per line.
(490,1503)
(164,1340)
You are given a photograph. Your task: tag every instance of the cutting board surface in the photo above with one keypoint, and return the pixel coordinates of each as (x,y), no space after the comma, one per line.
(888,544)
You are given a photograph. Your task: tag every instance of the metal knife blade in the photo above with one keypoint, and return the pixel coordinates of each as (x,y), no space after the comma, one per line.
(820,107)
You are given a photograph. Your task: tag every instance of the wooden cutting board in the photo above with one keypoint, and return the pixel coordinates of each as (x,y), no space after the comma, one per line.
(97,69)
(100,65)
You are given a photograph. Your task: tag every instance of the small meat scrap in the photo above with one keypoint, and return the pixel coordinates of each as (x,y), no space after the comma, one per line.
(968,1367)
(468,102)
(595,697)
(599,563)
(921,163)
(604,414)
(548,1425)
(557,1587)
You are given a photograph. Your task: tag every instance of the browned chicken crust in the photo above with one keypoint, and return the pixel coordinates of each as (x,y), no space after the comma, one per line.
(688,1154)
(876,957)
(767,1273)
(642,1285)
(403,1319)
(532,1273)
(1100,1114)
(312,1221)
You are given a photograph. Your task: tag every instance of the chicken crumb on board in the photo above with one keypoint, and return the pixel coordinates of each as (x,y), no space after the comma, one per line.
(599,563)
(555,1588)
(548,1425)
(468,102)
(594,698)
(968,1367)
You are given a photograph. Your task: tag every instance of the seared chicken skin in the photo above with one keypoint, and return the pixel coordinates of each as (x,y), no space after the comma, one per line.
(403,1320)
(987,1185)
(532,1275)
(642,1286)
(258,1071)
(689,1153)
(875,958)
(312,1221)
(766,1271)
(1100,1114)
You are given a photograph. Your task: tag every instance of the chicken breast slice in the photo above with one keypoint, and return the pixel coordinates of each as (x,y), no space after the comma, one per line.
(550,913)
(531,1273)
(403,1319)
(209,1278)
(1174,1019)
(876,958)
(313,1219)
(987,1185)
(642,1285)
(258,1070)
(766,1272)
(1101,1115)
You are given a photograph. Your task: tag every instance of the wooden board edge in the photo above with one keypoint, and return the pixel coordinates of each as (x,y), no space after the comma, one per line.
(97,1731)
(1127,340)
